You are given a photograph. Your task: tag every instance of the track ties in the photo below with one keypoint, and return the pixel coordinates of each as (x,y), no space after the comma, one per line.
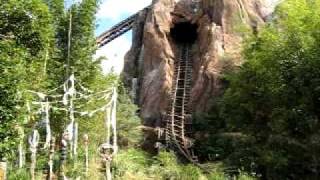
(118,29)
(178,119)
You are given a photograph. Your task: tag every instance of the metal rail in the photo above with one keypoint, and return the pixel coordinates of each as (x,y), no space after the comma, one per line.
(178,124)
(178,118)
(118,29)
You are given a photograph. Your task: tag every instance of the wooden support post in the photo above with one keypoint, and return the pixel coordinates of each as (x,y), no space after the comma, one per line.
(108,170)
(63,158)
(3,170)
(86,149)
(51,158)
(75,140)
(21,154)
(33,164)
(33,142)
(106,157)
(20,148)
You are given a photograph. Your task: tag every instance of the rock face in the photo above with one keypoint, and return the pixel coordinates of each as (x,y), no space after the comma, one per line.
(221,26)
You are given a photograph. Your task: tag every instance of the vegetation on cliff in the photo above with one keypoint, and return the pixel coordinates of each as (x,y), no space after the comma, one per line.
(268,119)
(266,124)
(41,44)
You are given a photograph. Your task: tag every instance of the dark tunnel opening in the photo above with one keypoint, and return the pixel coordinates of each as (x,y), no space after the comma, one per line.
(184,32)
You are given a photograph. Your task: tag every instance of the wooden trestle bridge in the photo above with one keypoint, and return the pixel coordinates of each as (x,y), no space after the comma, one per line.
(178,121)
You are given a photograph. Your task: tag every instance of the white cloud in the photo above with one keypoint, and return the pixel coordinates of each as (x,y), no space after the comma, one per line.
(114,52)
(269,6)
(114,9)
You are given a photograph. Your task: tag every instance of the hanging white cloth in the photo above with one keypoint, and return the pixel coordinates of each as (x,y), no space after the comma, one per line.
(111,122)
(45,107)
(20,147)
(68,132)
(34,140)
(114,120)
(108,150)
(69,90)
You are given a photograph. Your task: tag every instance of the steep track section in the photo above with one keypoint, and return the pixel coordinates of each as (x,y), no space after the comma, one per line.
(118,29)
(178,118)
(178,121)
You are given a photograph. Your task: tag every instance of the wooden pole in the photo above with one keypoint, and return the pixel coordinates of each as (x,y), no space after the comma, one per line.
(33,142)
(21,153)
(3,170)
(51,158)
(106,157)
(86,146)
(63,158)
(75,139)
(33,164)
(114,122)
(108,171)
(20,147)
(46,117)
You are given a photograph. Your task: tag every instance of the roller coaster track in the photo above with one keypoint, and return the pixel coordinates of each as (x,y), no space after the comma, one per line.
(178,118)
(118,29)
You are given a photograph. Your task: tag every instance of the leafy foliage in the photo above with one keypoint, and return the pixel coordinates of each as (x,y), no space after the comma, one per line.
(267,123)
(272,101)
(24,35)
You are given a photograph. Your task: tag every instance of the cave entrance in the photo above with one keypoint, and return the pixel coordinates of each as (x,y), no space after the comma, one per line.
(184,32)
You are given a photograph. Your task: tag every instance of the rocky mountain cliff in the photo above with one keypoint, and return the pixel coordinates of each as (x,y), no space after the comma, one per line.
(220,26)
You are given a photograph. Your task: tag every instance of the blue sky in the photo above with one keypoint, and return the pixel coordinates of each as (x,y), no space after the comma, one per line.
(113,11)
(110,13)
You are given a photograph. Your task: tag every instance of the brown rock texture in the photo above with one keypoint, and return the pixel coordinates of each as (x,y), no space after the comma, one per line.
(221,26)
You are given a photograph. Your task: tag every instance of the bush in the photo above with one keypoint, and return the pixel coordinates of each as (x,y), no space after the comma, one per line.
(273,99)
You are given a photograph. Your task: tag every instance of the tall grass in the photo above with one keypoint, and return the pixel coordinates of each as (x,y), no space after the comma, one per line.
(131,163)
(135,164)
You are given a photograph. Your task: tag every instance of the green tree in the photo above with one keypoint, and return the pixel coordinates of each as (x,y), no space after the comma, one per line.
(74,50)
(274,96)
(25,34)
